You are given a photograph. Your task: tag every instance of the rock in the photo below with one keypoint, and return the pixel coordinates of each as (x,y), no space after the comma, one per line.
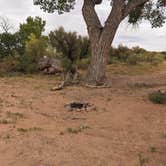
(50,65)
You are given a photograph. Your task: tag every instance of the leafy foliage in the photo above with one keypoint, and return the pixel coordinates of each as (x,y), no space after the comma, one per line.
(33,25)
(59,5)
(158,97)
(152,11)
(9,44)
(35,49)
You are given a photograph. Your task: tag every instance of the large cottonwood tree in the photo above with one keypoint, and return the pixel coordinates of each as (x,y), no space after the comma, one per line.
(100,36)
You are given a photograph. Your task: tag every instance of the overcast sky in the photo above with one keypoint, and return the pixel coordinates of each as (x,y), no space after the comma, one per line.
(18,10)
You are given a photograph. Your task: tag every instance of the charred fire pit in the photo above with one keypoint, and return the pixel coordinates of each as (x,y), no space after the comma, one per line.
(77,106)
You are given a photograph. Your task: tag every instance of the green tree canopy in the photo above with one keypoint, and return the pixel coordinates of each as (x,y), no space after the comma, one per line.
(9,44)
(31,26)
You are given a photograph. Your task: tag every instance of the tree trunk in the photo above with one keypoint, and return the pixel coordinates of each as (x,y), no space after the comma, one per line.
(100,49)
(97,67)
(99,58)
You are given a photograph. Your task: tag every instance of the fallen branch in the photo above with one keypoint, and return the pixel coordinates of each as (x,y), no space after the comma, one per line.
(96,86)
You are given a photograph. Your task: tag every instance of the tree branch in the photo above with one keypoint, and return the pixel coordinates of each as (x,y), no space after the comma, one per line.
(132,5)
(90,16)
(113,21)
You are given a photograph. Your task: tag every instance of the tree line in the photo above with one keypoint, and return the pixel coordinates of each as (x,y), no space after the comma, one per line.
(21,50)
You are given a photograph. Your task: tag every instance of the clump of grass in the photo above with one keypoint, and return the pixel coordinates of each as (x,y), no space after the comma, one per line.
(142,159)
(77,130)
(4,121)
(144,85)
(158,97)
(14,115)
(35,129)
(164,135)
(153,149)
(109,99)
(7,136)
(23,130)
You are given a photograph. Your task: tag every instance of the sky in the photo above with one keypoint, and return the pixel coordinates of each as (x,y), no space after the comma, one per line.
(142,35)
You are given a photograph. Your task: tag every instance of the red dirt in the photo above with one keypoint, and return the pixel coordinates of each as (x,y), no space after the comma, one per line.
(125,128)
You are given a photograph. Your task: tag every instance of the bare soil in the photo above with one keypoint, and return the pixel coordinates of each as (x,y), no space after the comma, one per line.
(122,128)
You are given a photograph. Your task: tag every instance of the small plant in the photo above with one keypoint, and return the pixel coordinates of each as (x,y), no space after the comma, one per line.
(132,60)
(35,129)
(144,85)
(142,159)
(158,97)
(4,121)
(7,136)
(109,99)
(73,131)
(153,149)
(77,130)
(14,115)
(164,135)
(23,130)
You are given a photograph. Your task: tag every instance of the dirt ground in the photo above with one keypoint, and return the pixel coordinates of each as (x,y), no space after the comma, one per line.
(122,128)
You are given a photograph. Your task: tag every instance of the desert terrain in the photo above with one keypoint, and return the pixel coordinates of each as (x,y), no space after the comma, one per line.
(121,128)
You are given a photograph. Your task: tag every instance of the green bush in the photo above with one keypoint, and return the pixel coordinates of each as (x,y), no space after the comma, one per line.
(27,64)
(67,64)
(121,53)
(132,60)
(135,56)
(158,97)
(9,44)
(83,63)
(8,64)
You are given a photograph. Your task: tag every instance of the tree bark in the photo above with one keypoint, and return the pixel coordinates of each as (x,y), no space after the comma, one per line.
(101,39)
(99,56)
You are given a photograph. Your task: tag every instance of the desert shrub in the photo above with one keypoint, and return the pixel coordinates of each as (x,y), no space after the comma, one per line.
(84,45)
(150,57)
(8,64)
(66,63)
(132,59)
(135,56)
(9,44)
(121,53)
(27,64)
(70,46)
(138,50)
(83,63)
(36,47)
(158,97)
